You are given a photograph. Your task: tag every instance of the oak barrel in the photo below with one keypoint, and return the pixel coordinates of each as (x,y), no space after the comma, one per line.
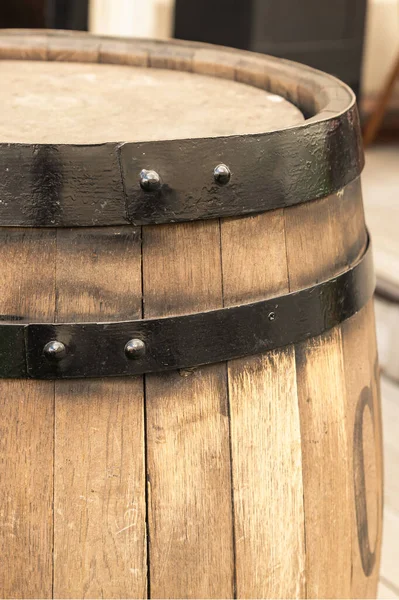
(189,377)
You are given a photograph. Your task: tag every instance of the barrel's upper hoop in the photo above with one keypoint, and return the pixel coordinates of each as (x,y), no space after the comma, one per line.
(69,185)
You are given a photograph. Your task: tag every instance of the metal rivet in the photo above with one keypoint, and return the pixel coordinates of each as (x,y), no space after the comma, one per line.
(135,349)
(272,316)
(150,180)
(54,350)
(222,174)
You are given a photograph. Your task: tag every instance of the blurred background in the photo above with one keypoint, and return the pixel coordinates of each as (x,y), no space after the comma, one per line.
(355,40)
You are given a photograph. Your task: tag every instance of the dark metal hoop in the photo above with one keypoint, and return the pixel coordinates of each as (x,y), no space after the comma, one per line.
(63,351)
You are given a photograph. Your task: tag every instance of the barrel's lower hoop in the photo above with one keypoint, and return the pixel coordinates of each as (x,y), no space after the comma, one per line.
(73,350)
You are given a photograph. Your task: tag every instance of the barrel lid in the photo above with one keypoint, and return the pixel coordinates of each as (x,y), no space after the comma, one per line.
(90,103)
(174,131)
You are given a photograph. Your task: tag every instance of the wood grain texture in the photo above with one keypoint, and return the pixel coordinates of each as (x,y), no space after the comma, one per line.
(265,432)
(362,427)
(377,401)
(26,424)
(326,475)
(335,227)
(313,90)
(166,57)
(69,49)
(99,500)
(325,237)
(121,52)
(188,461)
(19,47)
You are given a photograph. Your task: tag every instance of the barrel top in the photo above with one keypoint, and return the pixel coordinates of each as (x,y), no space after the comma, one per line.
(108,131)
(89,103)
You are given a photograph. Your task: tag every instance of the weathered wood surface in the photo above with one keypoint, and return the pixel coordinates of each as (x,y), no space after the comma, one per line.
(26,424)
(187,429)
(321,393)
(265,432)
(254,479)
(99,472)
(365,447)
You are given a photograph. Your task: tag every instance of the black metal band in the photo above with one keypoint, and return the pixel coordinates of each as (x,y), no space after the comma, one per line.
(98,185)
(73,186)
(99,349)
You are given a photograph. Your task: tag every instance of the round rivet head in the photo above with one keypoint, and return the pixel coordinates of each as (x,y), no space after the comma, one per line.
(150,181)
(54,350)
(135,349)
(272,316)
(222,174)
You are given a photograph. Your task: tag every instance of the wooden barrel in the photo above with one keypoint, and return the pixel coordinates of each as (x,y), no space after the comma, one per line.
(189,377)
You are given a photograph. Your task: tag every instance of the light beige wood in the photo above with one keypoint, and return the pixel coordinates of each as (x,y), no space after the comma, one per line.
(120,52)
(188,459)
(211,62)
(335,226)
(376,458)
(99,476)
(361,375)
(265,432)
(47,102)
(326,477)
(20,47)
(26,424)
(167,57)
(267,474)
(65,48)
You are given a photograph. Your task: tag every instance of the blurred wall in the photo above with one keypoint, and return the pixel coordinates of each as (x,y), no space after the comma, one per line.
(23,13)
(139,18)
(154,18)
(381,44)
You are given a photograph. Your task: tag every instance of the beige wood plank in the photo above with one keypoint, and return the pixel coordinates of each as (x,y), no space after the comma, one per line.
(265,432)
(364,436)
(189,481)
(69,49)
(100,529)
(326,481)
(27,293)
(323,238)
(268,493)
(253,258)
(378,455)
